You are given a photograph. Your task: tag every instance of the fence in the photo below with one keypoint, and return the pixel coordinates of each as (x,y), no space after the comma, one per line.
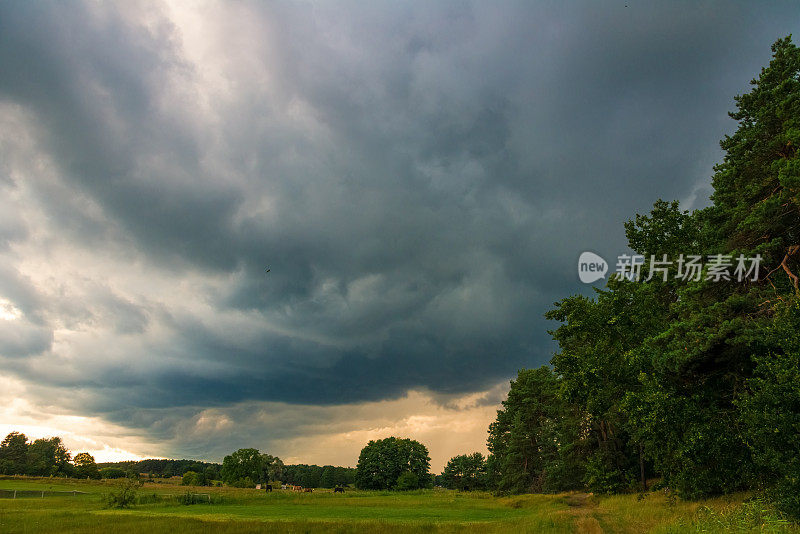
(26,494)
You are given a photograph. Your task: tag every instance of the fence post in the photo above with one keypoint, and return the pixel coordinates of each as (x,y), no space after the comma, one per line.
(15,494)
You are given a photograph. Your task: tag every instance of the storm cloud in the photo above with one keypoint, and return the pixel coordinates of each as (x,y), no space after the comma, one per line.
(316,206)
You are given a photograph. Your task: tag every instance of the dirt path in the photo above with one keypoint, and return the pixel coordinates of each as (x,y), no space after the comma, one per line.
(581,508)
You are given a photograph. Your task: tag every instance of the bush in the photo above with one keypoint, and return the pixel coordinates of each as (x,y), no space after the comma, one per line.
(190,478)
(407,481)
(601,477)
(124,496)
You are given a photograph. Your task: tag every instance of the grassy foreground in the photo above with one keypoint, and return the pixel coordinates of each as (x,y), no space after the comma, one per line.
(440,511)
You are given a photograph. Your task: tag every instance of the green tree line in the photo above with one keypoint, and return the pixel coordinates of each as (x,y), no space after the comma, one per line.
(43,457)
(693,382)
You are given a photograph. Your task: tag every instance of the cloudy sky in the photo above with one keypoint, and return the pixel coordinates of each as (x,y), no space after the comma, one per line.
(418,177)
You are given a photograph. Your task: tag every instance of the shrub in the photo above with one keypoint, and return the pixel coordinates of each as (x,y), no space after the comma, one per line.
(124,496)
(602,477)
(407,481)
(190,478)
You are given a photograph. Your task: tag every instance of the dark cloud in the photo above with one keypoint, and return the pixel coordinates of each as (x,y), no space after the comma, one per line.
(419,180)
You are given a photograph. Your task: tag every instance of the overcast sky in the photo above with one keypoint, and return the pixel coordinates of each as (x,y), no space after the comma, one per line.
(298,226)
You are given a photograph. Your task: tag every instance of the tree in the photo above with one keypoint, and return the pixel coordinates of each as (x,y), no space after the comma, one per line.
(757,210)
(244,463)
(465,472)
(757,186)
(48,457)
(250,464)
(211,473)
(771,411)
(381,463)
(697,379)
(14,454)
(273,466)
(85,466)
(536,440)
(688,410)
(327,478)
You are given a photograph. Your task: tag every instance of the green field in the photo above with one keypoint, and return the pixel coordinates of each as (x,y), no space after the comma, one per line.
(240,511)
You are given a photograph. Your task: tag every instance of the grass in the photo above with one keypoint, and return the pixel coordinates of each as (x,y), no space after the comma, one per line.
(437,511)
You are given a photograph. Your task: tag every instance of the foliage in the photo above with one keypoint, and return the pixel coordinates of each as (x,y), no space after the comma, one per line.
(167,468)
(190,478)
(124,495)
(407,481)
(315,476)
(698,369)
(85,466)
(466,472)
(48,457)
(695,381)
(14,454)
(771,411)
(250,464)
(112,472)
(537,437)
(381,463)
(42,457)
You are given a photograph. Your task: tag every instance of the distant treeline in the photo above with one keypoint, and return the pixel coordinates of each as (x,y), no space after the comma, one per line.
(310,476)
(166,468)
(245,467)
(314,476)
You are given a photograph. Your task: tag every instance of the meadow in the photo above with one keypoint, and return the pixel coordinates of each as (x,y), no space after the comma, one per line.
(59,506)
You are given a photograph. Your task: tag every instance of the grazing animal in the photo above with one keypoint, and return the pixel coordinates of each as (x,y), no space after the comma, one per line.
(338,489)
(297,488)
(268,487)
(308,490)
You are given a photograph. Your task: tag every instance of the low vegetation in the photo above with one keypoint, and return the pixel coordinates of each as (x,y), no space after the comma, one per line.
(164,508)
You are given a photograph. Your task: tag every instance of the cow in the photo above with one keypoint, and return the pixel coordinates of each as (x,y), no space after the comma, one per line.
(308,490)
(268,487)
(338,489)
(297,488)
